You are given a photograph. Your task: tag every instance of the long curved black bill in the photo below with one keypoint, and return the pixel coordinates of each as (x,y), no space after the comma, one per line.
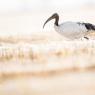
(47,21)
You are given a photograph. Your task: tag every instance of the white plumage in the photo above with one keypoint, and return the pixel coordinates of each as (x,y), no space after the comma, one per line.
(71,30)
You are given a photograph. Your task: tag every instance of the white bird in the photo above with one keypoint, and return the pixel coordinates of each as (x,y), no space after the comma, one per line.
(71,30)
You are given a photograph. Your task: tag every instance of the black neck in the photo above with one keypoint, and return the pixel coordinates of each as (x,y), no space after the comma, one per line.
(56,20)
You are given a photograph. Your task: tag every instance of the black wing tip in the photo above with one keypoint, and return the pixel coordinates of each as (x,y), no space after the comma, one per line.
(89,26)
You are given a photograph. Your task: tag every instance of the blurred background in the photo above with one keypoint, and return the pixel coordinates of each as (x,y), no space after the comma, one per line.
(21,17)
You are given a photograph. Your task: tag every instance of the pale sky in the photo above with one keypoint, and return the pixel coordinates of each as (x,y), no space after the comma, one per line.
(17,17)
(16,5)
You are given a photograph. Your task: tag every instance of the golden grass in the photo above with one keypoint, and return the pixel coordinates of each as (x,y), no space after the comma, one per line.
(44,64)
(52,55)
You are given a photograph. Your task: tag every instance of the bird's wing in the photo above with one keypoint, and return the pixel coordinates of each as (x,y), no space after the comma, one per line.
(88,26)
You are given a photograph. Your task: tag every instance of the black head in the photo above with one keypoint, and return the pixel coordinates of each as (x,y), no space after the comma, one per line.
(54,16)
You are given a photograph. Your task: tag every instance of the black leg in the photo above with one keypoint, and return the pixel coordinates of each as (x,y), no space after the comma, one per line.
(86,38)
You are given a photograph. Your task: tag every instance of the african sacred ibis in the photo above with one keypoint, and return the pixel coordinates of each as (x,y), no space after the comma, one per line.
(71,30)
